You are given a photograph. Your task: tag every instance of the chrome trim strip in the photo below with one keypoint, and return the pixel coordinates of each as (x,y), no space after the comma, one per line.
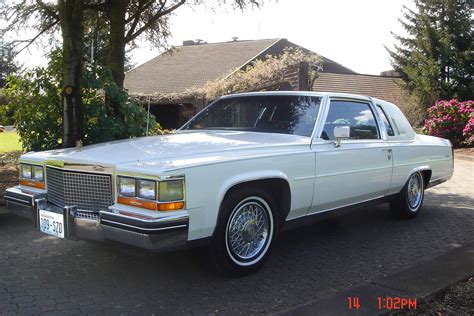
(13,199)
(165,219)
(104,170)
(336,208)
(143,228)
(304,178)
(351,171)
(438,181)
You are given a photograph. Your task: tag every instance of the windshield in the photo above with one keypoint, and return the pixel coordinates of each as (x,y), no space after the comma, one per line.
(286,114)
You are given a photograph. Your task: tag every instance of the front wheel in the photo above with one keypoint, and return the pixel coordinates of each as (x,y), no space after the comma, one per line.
(245,232)
(408,202)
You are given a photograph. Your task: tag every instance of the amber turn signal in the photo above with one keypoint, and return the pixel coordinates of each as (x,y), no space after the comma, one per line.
(149,205)
(30,183)
(172,206)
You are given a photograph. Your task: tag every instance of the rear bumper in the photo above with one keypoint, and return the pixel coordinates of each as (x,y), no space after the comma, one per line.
(157,234)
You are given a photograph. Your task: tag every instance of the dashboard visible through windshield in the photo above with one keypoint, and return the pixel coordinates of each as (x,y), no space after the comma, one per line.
(285,114)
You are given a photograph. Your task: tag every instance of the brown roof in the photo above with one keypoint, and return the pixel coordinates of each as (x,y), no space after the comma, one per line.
(192,66)
(386,88)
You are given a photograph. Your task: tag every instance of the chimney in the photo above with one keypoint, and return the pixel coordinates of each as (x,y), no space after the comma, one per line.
(194,42)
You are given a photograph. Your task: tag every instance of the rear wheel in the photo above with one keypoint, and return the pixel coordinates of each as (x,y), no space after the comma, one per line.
(407,204)
(245,232)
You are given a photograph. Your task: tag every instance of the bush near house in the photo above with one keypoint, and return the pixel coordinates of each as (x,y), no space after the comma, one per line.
(453,120)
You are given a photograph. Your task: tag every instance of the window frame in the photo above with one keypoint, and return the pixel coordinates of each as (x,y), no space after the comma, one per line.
(320,108)
(394,128)
(371,105)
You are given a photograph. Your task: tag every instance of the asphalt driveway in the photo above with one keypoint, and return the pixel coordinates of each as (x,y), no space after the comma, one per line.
(39,273)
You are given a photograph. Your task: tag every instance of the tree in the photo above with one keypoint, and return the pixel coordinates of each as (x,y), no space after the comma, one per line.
(7,64)
(126,21)
(436,58)
(71,17)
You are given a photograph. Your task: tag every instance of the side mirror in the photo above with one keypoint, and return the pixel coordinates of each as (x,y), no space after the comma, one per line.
(341,132)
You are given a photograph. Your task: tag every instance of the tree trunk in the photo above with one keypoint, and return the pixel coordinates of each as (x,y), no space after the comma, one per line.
(116,62)
(71,18)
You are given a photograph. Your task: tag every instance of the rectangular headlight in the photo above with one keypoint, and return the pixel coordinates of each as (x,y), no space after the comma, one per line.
(126,186)
(171,190)
(38,173)
(146,189)
(25,171)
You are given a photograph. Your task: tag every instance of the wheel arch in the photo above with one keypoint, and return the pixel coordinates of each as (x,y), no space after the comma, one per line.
(276,184)
(425,171)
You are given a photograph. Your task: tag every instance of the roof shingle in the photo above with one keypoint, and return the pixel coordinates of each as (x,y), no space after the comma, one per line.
(386,88)
(192,66)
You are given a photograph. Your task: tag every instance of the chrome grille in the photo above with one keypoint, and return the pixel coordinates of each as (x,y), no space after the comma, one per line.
(87,191)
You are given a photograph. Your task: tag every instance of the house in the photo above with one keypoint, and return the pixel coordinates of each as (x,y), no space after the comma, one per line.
(197,62)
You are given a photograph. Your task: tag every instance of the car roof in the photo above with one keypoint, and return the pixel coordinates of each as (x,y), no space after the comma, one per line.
(306,93)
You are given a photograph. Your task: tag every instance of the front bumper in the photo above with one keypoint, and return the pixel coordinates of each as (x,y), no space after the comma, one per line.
(155,234)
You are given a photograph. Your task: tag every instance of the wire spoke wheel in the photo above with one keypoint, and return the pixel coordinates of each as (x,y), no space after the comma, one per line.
(249,230)
(415,191)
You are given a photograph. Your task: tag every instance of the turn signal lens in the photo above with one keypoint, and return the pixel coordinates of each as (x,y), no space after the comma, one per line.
(30,183)
(170,206)
(137,203)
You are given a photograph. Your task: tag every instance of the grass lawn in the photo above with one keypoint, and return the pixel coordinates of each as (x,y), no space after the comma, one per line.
(9,141)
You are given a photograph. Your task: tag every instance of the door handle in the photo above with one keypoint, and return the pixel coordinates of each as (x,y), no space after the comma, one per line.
(389,153)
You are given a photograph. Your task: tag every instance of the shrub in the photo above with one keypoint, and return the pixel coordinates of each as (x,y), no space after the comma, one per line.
(36,96)
(453,120)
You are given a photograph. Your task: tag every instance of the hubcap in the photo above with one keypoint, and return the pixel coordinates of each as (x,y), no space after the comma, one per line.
(415,190)
(248,230)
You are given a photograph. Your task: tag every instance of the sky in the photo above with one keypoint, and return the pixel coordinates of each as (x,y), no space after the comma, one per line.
(352,33)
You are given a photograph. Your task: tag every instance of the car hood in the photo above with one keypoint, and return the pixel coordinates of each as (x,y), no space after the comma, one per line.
(180,145)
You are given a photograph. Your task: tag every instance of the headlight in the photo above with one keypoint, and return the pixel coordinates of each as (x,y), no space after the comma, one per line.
(146,189)
(25,171)
(32,176)
(126,186)
(171,190)
(156,195)
(38,173)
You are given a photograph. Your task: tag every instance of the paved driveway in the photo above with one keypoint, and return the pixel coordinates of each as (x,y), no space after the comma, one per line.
(40,273)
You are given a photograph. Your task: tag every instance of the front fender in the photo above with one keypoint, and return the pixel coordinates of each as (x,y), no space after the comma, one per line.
(247,177)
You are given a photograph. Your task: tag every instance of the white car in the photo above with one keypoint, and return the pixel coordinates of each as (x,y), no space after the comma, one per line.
(233,175)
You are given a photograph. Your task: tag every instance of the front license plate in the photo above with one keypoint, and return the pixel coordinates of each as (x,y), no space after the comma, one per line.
(51,223)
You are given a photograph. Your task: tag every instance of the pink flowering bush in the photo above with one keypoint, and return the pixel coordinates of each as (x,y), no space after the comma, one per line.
(453,120)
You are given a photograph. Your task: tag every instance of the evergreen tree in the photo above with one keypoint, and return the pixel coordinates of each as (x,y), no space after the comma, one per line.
(7,64)
(436,58)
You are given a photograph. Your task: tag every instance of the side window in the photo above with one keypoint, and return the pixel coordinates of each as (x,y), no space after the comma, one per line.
(357,115)
(386,122)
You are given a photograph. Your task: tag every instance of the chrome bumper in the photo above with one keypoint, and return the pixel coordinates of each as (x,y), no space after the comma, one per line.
(159,234)
(22,202)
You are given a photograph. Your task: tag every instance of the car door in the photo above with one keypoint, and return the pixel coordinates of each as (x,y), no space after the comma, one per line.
(360,168)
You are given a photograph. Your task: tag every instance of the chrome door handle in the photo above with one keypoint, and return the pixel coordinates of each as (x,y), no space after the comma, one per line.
(389,153)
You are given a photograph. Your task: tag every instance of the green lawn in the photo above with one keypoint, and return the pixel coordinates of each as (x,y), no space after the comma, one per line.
(9,141)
